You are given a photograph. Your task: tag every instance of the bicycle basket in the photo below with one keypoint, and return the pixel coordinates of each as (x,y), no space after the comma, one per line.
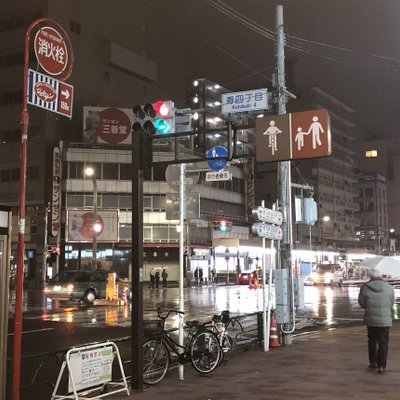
(152,327)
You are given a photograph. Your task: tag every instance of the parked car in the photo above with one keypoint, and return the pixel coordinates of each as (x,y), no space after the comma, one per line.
(83,285)
(327,274)
(245,277)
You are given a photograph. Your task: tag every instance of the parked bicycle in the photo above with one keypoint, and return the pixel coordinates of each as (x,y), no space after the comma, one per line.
(220,325)
(201,348)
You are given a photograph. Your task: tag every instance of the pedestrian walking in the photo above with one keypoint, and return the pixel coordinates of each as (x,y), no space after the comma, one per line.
(213,273)
(377,298)
(201,274)
(196,275)
(164,276)
(151,280)
(157,278)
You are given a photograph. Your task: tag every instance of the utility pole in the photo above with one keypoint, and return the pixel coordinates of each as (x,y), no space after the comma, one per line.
(44,260)
(284,178)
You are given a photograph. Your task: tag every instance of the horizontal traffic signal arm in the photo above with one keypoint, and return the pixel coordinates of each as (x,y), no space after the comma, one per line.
(197,157)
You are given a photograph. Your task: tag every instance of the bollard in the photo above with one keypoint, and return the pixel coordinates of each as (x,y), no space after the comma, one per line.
(260,332)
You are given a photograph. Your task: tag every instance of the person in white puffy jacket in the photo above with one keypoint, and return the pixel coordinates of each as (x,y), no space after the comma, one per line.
(376,297)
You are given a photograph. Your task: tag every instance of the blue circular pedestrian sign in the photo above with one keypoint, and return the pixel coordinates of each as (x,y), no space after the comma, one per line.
(227,257)
(217,151)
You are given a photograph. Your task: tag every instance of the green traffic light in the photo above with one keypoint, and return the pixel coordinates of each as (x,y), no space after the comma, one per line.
(162,126)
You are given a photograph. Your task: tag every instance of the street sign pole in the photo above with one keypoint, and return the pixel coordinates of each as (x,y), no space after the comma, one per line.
(21,207)
(284,176)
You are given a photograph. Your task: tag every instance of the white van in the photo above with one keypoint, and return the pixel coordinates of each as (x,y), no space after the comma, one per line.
(327,274)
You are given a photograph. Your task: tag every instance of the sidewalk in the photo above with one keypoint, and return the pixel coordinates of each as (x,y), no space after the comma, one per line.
(330,364)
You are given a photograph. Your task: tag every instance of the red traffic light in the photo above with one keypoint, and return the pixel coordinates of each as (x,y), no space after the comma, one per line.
(163,108)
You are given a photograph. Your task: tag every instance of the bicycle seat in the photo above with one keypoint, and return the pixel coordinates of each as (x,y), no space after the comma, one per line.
(216,318)
(192,324)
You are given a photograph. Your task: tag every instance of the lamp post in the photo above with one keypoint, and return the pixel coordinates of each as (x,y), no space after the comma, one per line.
(325,219)
(96,227)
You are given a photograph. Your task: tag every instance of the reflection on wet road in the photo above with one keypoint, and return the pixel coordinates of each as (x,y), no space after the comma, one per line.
(325,304)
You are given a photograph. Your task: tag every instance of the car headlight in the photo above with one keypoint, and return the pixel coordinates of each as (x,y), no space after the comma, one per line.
(70,288)
(314,276)
(328,276)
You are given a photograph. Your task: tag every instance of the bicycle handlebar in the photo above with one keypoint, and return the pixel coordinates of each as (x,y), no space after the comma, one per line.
(164,317)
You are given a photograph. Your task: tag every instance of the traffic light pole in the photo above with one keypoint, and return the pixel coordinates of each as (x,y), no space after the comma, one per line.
(284,180)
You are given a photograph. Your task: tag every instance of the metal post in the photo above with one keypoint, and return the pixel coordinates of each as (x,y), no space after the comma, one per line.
(137,266)
(94,263)
(44,264)
(284,173)
(181,263)
(5,247)
(21,228)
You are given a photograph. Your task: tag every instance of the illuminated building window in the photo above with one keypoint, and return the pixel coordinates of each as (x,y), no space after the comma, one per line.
(371,153)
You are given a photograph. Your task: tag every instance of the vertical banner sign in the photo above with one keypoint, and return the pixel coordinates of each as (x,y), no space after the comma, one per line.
(56,196)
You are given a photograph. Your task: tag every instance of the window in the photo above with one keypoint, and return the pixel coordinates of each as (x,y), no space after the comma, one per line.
(371,153)
(110,200)
(369,192)
(110,171)
(5,175)
(75,27)
(32,173)
(75,170)
(125,172)
(11,97)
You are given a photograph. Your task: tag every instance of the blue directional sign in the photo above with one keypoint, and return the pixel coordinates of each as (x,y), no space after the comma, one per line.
(217,151)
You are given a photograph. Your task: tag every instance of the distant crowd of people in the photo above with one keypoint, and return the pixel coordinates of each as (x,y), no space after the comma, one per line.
(155,277)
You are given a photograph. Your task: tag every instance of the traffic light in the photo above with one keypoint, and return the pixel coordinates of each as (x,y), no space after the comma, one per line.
(222,226)
(155,118)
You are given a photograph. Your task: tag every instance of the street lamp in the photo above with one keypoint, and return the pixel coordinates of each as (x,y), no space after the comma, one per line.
(325,219)
(96,227)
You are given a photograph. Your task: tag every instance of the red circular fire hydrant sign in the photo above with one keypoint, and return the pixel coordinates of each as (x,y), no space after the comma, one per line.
(51,50)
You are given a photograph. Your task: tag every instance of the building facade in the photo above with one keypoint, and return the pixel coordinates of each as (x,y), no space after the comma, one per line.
(373,213)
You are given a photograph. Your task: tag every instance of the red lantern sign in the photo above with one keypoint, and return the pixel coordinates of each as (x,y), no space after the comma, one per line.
(51,50)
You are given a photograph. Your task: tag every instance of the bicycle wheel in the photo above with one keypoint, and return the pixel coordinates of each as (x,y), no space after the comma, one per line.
(226,346)
(155,361)
(205,352)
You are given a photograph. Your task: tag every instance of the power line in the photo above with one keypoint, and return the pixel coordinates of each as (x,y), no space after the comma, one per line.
(323,50)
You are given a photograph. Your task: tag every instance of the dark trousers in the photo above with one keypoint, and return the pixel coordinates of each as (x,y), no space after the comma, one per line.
(378,343)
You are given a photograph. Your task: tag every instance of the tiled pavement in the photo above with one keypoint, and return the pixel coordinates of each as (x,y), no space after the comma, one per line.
(330,364)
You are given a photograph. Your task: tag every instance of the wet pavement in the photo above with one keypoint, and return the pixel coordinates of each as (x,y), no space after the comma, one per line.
(325,365)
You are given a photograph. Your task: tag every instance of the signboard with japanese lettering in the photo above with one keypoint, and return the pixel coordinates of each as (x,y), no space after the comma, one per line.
(90,368)
(218,176)
(56,197)
(248,100)
(79,227)
(49,93)
(107,125)
(51,50)
(293,136)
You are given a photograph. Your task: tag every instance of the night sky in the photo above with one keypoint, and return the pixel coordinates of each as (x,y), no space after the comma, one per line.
(350,48)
